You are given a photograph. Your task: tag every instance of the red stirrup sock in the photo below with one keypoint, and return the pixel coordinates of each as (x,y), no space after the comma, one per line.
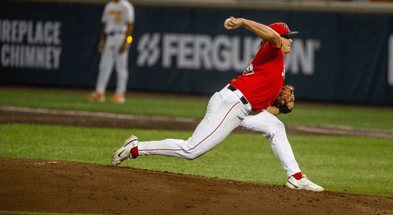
(134,152)
(298,175)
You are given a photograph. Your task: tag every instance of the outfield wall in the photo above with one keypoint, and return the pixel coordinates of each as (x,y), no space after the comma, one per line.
(336,57)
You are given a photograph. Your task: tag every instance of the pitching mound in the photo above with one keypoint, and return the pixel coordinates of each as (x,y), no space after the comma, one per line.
(73,187)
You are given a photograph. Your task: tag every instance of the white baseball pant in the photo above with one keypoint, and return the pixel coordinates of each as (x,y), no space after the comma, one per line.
(224,113)
(110,57)
(273,129)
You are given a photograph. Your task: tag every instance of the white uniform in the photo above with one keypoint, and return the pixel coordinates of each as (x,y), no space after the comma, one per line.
(116,16)
(225,112)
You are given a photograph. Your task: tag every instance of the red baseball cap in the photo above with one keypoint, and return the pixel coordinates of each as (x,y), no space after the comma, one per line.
(282,29)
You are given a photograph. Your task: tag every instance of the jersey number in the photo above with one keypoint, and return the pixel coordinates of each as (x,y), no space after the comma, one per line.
(117,19)
(249,70)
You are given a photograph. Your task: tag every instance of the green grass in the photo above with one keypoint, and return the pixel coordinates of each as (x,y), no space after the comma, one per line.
(302,115)
(76,101)
(345,164)
(360,118)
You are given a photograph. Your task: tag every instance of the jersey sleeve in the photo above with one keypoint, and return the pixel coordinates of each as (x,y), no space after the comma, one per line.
(267,53)
(274,46)
(104,17)
(129,12)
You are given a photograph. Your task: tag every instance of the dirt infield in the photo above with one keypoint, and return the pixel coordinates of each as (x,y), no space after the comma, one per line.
(73,187)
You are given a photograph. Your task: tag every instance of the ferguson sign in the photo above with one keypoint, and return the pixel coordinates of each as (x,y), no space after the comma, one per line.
(222,53)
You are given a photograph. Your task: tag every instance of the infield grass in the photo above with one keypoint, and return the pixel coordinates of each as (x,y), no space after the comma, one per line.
(302,115)
(345,164)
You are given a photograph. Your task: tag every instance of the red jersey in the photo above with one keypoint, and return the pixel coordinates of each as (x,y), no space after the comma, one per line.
(262,81)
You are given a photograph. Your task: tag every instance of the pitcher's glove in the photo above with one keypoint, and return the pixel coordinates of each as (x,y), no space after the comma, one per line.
(285,96)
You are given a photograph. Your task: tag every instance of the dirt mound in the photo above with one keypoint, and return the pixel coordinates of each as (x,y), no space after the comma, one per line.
(74,187)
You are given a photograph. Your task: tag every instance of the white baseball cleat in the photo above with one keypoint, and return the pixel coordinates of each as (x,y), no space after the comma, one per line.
(124,153)
(303,184)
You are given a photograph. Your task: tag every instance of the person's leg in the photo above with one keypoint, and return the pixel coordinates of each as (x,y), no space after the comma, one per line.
(122,72)
(105,69)
(224,113)
(273,129)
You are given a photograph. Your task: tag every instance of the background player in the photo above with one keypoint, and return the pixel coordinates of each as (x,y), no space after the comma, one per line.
(257,89)
(117,27)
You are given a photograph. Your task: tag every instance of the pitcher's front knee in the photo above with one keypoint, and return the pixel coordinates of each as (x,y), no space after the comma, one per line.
(279,126)
(277,129)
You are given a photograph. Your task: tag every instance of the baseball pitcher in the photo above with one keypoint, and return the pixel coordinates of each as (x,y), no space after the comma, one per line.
(259,88)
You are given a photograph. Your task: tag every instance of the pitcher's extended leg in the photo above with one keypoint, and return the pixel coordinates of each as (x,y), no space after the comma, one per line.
(224,113)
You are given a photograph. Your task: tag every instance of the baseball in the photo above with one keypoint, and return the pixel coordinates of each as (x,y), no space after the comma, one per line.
(227,21)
